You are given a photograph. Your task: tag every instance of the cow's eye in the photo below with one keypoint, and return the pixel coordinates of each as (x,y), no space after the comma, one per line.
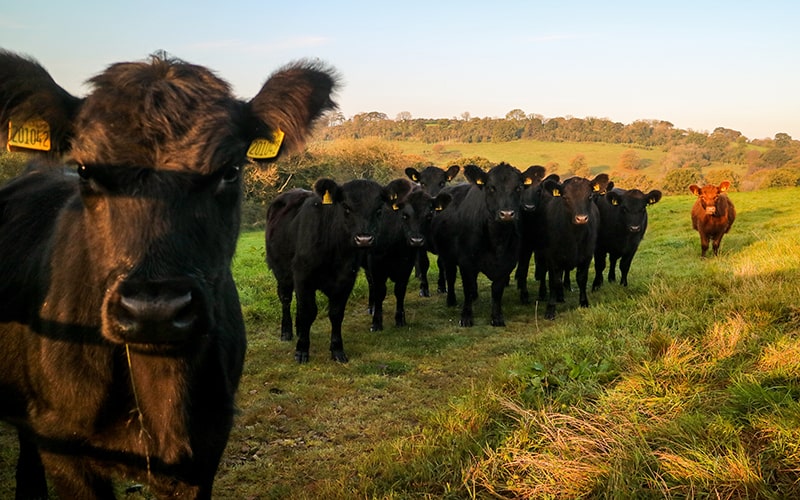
(405,216)
(231,175)
(441,184)
(83,172)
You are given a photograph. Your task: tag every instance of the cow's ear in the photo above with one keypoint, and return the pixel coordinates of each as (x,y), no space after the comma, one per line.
(38,113)
(286,107)
(475,175)
(552,186)
(532,174)
(328,191)
(396,190)
(724,185)
(695,189)
(441,201)
(653,197)
(452,172)
(412,174)
(600,184)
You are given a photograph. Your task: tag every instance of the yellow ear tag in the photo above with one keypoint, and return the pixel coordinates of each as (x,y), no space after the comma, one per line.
(614,202)
(32,134)
(556,192)
(264,148)
(479,182)
(596,187)
(528,181)
(395,207)
(327,199)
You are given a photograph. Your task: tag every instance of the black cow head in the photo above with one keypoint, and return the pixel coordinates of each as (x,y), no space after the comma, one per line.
(632,206)
(532,196)
(432,179)
(144,246)
(576,194)
(357,205)
(416,211)
(502,187)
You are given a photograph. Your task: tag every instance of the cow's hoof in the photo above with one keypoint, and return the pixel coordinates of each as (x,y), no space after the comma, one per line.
(466,322)
(498,322)
(584,303)
(425,293)
(301,357)
(550,313)
(339,356)
(376,328)
(286,336)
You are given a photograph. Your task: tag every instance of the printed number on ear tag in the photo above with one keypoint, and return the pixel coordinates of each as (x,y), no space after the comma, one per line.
(264,148)
(32,134)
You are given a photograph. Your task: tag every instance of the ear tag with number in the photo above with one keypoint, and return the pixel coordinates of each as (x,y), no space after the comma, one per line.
(327,199)
(264,148)
(31,134)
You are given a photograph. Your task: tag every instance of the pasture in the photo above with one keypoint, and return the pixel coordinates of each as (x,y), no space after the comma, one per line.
(684,384)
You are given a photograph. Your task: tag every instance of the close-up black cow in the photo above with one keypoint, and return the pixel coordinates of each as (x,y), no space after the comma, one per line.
(317,241)
(623,222)
(121,335)
(480,234)
(572,221)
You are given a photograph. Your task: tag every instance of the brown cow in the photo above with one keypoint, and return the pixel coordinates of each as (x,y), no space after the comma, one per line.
(712,214)
(121,335)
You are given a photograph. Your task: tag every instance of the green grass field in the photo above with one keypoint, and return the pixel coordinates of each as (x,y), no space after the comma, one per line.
(683,385)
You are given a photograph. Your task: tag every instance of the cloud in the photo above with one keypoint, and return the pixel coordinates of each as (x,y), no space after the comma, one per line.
(271,47)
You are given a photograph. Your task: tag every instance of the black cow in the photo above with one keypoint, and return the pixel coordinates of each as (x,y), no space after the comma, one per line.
(431,180)
(315,241)
(121,334)
(403,233)
(572,221)
(623,222)
(532,231)
(479,234)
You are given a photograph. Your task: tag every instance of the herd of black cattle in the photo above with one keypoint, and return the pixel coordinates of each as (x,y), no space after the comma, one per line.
(492,224)
(122,340)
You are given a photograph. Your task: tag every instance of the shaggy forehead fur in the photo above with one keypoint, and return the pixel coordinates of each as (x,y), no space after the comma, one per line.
(164,114)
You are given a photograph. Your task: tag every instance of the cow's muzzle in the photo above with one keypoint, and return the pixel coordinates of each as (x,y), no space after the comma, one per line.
(506,215)
(156,312)
(581,219)
(363,240)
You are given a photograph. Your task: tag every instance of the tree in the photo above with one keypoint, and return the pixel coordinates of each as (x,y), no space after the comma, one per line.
(516,114)
(403,116)
(629,160)
(677,181)
(465,116)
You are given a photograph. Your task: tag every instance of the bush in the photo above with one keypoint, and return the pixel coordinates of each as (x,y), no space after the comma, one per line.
(677,181)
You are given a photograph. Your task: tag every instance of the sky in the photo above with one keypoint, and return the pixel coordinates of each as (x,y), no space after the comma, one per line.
(696,64)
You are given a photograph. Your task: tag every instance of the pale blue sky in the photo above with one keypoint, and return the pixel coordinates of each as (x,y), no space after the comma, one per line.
(697,64)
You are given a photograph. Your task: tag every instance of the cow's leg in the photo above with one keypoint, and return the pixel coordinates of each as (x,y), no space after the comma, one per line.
(371,289)
(624,267)
(400,287)
(612,267)
(377,296)
(703,244)
(72,478)
(498,286)
(599,267)
(285,291)
(306,314)
(715,244)
(450,274)
(469,282)
(566,285)
(582,277)
(442,281)
(423,264)
(31,482)
(521,274)
(556,290)
(541,275)
(337,302)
